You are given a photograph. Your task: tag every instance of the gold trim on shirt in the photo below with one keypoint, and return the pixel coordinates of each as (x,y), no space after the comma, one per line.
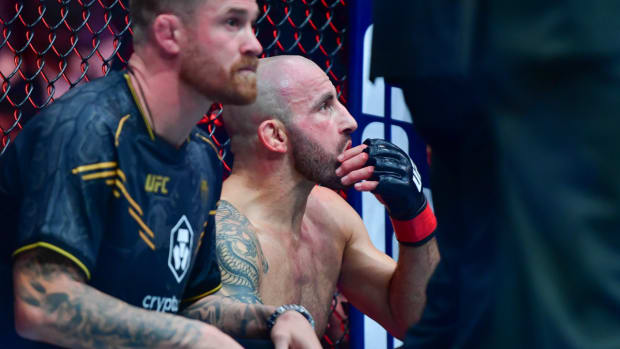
(56,249)
(202,295)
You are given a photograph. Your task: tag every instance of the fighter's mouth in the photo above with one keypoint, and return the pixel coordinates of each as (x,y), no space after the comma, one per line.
(249,68)
(348,145)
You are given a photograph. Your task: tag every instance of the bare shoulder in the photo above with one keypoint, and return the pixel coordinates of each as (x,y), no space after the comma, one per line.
(226,212)
(326,202)
(329,207)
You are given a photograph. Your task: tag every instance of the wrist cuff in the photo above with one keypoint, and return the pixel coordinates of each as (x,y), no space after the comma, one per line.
(418,230)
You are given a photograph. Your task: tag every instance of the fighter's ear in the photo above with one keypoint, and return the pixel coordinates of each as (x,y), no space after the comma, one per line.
(272,135)
(168,33)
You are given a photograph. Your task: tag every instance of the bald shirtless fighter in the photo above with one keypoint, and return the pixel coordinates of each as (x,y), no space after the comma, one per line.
(285,244)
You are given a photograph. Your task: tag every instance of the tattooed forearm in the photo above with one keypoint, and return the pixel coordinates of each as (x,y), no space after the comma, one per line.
(232,316)
(77,315)
(237,308)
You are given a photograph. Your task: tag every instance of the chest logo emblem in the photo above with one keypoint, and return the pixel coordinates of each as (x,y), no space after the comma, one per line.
(181,241)
(156,184)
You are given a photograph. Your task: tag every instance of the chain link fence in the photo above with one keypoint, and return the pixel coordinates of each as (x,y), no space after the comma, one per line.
(50,46)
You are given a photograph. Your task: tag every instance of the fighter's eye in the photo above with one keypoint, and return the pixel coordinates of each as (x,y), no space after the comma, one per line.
(233,22)
(325,106)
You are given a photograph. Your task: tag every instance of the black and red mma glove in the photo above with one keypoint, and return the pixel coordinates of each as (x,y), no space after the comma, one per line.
(400,190)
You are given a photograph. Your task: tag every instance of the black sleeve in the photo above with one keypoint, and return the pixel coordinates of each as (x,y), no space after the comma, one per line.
(67,168)
(9,203)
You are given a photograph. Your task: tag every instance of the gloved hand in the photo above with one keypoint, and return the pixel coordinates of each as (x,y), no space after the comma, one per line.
(399,188)
(400,185)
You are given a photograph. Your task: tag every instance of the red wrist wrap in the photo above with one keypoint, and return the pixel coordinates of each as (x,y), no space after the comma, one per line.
(415,230)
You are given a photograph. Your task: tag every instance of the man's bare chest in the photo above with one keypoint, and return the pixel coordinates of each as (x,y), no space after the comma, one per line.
(304,273)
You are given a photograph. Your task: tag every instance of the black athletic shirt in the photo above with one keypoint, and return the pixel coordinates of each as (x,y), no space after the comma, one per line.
(90,180)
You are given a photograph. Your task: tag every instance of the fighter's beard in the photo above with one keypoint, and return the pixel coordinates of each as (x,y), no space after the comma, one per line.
(243,83)
(233,87)
(314,163)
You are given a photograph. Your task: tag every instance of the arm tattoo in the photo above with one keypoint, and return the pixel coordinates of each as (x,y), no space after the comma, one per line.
(83,317)
(239,253)
(237,308)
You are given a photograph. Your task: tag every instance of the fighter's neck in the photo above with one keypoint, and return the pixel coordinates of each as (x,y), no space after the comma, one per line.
(269,202)
(171,107)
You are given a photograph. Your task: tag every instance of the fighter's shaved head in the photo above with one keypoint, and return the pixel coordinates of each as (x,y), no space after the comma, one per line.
(276,77)
(296,123)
